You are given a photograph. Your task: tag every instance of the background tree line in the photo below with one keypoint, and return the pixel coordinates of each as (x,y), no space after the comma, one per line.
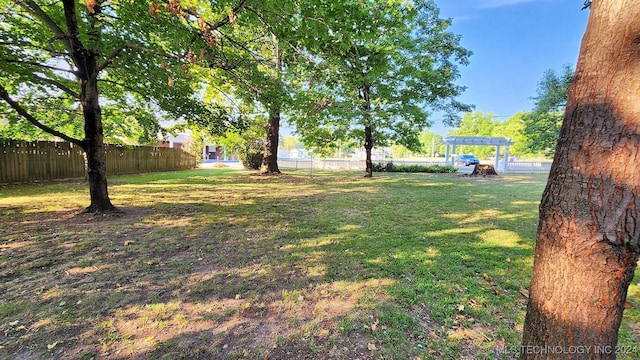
(534,132)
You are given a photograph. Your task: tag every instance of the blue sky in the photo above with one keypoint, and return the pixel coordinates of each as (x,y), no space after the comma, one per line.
(513,43)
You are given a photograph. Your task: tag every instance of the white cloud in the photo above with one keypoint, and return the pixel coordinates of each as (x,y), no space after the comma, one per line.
(500,3)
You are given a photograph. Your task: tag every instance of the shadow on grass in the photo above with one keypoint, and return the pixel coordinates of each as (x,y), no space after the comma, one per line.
(218,266)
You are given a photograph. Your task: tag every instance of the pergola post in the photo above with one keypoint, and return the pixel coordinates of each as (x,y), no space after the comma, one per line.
(497,161)
(506,159)
(446,154)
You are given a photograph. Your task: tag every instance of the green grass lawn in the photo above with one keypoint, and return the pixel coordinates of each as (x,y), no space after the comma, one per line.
(223,264)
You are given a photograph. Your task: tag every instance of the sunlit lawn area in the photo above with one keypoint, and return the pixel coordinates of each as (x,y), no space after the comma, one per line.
(223,264)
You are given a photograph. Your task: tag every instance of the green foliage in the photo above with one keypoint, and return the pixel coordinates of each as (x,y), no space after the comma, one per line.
(399,151)
(146,62)
(431,143)
(513,128)
(542,125)
(380,64)
(476,124)
(248,145)
(384,167)
(481,124)
(433,169)
(251,154)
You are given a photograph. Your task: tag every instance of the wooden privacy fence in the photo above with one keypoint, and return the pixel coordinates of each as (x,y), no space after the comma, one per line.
(22,161)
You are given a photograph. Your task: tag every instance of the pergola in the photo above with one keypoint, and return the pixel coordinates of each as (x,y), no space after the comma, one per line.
(452,141)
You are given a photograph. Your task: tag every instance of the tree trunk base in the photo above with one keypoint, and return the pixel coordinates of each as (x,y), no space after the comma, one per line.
(484,170)
(99,211)
(270,173)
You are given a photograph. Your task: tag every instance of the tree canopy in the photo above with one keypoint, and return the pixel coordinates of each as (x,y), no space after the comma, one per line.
(381,66)
(143,54)
(66,65)
(542,125)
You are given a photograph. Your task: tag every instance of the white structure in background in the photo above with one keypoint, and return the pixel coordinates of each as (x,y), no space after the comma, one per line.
(182,140)
(376,153)
(298,154)
(178,141)
(452,141)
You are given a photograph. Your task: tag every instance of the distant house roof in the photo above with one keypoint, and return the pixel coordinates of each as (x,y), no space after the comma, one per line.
(477,140)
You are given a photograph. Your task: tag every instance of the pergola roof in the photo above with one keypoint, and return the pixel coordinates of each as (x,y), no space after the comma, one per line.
(477,140)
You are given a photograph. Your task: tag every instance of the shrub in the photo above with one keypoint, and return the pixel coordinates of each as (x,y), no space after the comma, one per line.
(252,154)
(382,167)
(390,167)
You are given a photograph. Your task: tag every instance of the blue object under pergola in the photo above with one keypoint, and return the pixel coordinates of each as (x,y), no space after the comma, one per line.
(452,141)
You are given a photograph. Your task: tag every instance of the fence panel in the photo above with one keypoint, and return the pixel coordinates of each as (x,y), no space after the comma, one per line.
(22,161)
(339,164)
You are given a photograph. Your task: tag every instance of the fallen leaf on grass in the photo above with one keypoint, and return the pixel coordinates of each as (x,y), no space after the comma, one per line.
(524,292)
(371,346)
(51,346)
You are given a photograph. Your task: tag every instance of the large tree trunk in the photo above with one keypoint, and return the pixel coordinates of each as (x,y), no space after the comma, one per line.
(587,245)
(85,60)
(270,158)
(93,142)
(93,145)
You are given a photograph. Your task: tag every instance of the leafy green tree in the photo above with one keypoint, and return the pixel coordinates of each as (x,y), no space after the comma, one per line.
(542,125)
(289,143)
(56,54)
(431,142)
(379,65)
(476,124)
(399,151)
(513,128)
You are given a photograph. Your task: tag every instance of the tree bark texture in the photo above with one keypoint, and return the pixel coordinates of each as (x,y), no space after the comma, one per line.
(365,93)
(270,158)
(368,145)
(93,145)
(587,244)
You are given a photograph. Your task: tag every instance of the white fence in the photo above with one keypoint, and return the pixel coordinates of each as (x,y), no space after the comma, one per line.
(338,164)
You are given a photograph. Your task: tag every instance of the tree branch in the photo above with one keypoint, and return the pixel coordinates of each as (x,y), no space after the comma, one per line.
(127,87)
(58,85)
(33,8)
(20,110)
(70,18)
(114,55)
(39,65)
(237,9)
(110,58)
